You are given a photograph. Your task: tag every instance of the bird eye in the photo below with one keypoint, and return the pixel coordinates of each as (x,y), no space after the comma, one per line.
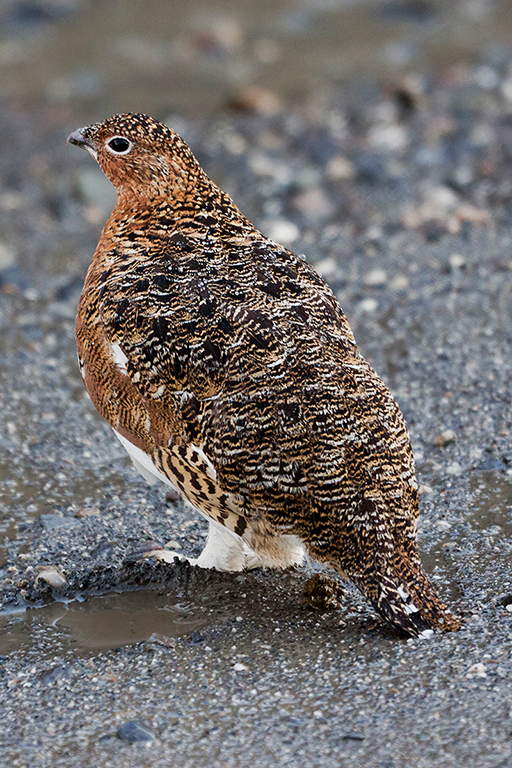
(119,145)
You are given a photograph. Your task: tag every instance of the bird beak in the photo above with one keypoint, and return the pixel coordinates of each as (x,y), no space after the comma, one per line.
(78,138)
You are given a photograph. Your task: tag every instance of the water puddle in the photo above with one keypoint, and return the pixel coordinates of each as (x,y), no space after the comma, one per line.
(100,622)
(491,511)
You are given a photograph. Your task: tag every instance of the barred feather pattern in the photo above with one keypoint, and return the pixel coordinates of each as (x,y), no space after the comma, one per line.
(229,362)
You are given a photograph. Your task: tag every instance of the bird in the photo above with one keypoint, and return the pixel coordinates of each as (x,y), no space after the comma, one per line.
(229,372)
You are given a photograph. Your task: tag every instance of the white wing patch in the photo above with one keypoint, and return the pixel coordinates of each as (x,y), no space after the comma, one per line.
(119,357)
(143,463)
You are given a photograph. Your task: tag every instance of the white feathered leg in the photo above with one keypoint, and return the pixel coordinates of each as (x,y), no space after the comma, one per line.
(224,551)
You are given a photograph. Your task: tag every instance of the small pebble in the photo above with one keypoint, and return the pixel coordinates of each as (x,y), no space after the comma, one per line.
(377,278)
(314,204)
(133,732)
(87,512)
(368,305)
(52,576)
(390,137)
(7,255)
(477,670)
(257,100)
(59,672)
(457,261)
(281,231)
(340,168)
(326,267)
(399,283)
(238,667)
(444,438)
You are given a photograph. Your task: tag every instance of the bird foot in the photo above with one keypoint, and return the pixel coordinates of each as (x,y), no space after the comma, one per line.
(323,593)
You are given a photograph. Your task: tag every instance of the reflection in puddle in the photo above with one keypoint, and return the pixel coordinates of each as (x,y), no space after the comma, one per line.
(492,508)
(108,621)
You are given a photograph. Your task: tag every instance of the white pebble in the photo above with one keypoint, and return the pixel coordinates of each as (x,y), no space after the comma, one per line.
(52,576)
(456,261)
(240,667)
(376,278)
(7,255)
(445,437)
(368,305)
(281,231)
(506,89)
(326,267)
(340,168)
(393,137)
(477,670)
(399,283)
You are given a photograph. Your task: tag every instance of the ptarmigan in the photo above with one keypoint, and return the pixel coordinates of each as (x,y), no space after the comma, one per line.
(227,370)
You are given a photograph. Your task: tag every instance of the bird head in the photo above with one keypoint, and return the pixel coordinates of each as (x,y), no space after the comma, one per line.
(139,155)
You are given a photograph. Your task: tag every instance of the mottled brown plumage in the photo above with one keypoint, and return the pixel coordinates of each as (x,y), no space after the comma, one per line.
(227,368)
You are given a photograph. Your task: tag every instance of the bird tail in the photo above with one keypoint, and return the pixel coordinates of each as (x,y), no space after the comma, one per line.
(384,564)
(405,598)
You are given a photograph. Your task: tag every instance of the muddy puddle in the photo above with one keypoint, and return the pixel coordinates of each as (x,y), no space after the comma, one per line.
(100,622)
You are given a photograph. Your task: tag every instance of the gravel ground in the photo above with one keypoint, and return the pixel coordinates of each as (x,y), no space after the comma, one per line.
(402,197)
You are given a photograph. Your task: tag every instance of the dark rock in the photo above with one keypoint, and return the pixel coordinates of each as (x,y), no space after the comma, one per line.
(490,465)
(59,672)
(133,731)
(505,600)
(195,638)
(53,521)
(370,167)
